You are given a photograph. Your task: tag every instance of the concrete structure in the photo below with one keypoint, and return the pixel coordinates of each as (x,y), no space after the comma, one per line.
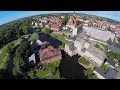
(84,47)
(76,30)
(101,35)
(70,49)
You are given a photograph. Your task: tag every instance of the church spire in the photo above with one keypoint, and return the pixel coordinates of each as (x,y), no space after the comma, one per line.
(74,13)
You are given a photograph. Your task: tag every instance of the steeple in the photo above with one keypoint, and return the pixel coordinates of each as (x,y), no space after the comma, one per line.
(74,13)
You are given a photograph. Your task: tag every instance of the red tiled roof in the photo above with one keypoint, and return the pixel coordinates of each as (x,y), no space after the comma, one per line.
(49,52)
(56,26)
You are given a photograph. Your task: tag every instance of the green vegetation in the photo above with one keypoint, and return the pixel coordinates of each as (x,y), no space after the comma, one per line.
(34,36)
(104,68)
(62,46)
(89,73)
(83,61)
(78,22)
(13,31)
(101,46)
(4,55)
(48,71)
(21,55)
(59,37)
(65,20)
(111,55)
(47,31)
(117,68)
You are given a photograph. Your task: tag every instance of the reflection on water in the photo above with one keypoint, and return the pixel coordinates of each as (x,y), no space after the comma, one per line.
(43,37)
(70,68)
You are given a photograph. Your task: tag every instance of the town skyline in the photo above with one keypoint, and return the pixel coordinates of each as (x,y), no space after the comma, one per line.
(8,16)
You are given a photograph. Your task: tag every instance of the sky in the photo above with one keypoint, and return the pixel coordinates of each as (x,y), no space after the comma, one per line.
(7,16)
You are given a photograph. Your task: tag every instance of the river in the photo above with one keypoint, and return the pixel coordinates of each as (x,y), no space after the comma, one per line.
(69,66)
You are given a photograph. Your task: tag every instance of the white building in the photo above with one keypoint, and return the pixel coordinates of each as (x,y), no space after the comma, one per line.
(86,49)
(101,35)
(32,60)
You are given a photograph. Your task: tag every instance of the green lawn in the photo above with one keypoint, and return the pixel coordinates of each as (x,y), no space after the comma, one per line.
(4,53)
(83,61)
(59,37)
(101,46)
(104,68)
(33,36)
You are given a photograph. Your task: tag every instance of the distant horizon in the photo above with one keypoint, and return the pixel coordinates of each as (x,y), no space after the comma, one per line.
(9,16)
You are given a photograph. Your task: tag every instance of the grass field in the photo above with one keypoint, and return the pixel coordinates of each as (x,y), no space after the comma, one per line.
(34,36)
(59,37)
(3,55)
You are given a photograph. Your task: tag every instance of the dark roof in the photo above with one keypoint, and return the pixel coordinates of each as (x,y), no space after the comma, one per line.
(100,72)
(83,50)
(111,62)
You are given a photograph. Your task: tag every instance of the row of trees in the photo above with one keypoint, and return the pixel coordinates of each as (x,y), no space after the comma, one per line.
(13,31)
(20,60)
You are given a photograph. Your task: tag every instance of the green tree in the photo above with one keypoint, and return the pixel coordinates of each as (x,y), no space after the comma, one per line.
(88,72)
(47,31)
(26,29)
(65,20)
(78,22)
(20,60)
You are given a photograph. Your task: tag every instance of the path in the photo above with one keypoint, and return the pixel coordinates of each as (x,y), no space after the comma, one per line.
(3,61)
(101,46)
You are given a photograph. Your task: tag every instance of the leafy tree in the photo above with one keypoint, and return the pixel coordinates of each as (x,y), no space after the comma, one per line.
(65,20)
(26,29)
(47,31)
(78,22)
(20,60)
(88,72)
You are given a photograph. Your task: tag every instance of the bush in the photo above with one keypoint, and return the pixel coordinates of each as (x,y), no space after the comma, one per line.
(104,68)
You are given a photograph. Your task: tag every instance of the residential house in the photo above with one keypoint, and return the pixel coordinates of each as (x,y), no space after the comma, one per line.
(56,27)
(50,54)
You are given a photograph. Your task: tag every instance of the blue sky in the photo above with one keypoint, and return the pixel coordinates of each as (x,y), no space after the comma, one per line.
(7,16)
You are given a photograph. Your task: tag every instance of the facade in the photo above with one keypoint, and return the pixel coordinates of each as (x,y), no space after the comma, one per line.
(50,54)
(70,49)
(76,30)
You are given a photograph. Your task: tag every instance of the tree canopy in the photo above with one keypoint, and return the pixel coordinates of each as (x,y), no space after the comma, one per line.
(21,55)
(65,20)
